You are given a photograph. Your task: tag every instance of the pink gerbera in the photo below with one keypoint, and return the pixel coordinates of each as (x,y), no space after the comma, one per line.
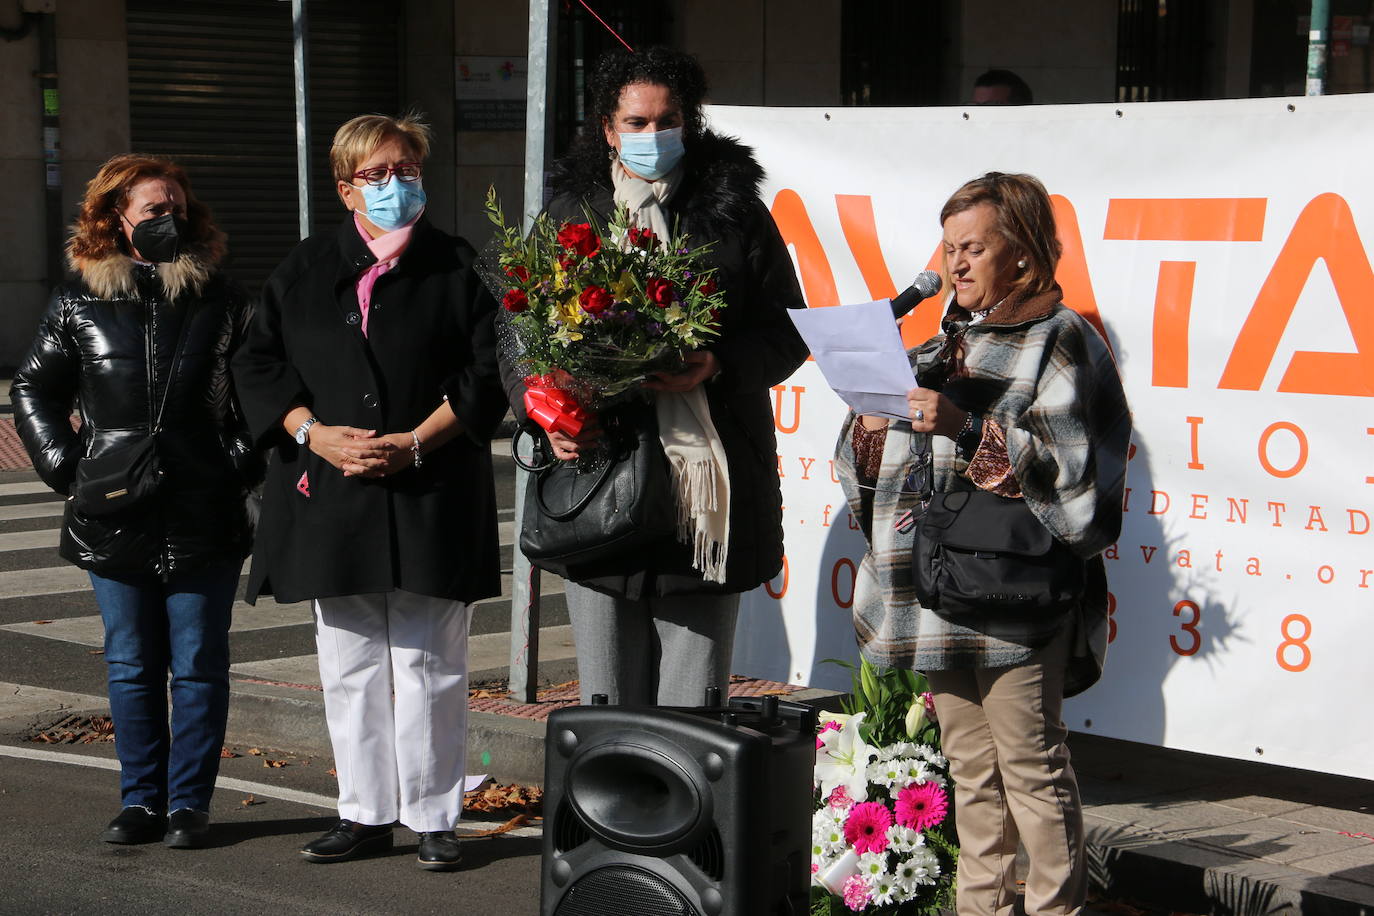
(855,893)
(832,725)
(866,827)
(921,806)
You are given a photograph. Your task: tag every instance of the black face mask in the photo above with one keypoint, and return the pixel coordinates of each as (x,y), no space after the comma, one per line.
(159,239)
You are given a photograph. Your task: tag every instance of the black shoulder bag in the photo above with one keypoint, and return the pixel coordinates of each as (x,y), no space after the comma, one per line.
(979,553)
(613,505)
(127,475)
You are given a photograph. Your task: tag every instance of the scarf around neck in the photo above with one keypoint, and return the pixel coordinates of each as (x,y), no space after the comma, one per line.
(696,455)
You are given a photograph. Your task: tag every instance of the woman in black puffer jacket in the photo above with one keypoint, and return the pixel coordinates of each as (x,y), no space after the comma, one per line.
(147,324)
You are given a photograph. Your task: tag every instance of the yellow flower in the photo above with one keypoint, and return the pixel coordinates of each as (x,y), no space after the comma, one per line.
(560,277)
(623,288)
(674,314)
(566,335)
(570,312)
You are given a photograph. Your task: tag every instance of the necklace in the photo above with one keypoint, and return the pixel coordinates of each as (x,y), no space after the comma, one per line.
(989,310)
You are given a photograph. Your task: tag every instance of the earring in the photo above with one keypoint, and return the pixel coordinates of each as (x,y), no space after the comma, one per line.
(611,154)
(1021,263)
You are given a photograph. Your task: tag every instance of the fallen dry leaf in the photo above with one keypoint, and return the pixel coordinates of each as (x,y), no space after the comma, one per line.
(40,622)
(96,652)
(255,751)
(273,764)
(226,754)
(519,820)
(332,772)
(250,800)
(488,694)
(528,799)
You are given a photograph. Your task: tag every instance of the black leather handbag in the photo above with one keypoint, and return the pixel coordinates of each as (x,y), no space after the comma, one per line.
(131,473)
(603,511)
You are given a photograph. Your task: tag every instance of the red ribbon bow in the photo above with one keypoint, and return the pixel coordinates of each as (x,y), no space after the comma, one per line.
(555,410)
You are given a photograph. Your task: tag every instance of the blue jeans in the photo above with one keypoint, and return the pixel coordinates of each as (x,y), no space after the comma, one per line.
(151,627)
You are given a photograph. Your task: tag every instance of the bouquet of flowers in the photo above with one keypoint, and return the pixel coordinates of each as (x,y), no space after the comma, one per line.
(881,839)
(588,317)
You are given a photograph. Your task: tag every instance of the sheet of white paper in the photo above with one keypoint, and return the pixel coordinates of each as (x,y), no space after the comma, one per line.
(472,782)
(859,351)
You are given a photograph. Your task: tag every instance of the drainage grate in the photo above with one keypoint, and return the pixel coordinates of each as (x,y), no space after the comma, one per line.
(74,730)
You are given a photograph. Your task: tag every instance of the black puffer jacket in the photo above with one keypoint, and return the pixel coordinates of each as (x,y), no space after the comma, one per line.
(758,347)
(104,329)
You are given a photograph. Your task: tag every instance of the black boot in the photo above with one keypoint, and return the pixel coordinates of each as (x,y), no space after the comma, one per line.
(439,851)
(347,840)
(187,828)
(135,824)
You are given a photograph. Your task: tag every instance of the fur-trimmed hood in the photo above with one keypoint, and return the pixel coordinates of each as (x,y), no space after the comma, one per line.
(112,277)
(721,180)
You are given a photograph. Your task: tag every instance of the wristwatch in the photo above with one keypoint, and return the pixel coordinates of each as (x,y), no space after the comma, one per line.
(303,431)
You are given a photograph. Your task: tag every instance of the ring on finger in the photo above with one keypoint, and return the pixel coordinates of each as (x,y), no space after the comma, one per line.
(920,415)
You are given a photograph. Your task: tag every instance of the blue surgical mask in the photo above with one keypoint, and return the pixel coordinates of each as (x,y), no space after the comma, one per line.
(652,154)
(394,204)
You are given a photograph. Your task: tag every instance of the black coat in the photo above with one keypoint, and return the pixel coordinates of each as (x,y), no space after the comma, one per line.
(105,344)
(429,530)
(758,348)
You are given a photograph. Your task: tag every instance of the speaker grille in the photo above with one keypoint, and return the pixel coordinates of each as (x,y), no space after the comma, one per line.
(568,830)
(623,889)
(709,856)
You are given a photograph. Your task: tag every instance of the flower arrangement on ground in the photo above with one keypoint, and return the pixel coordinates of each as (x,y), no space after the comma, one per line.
(882,843)
(588,317)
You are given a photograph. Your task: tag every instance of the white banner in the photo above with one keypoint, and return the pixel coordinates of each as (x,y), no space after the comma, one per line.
(1218,244)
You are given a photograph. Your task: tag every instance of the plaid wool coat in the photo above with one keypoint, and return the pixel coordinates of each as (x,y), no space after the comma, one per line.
(1047,378)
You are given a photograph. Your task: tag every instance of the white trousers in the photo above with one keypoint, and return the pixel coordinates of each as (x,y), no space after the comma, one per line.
(401,760)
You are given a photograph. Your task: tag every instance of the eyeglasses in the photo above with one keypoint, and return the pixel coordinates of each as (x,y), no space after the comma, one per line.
(381,174)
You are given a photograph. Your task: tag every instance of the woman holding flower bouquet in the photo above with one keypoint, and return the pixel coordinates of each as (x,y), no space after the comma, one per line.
(371,372)
(1018,396)
(658,626)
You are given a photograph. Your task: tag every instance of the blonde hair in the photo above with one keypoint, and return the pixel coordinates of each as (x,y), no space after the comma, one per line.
(356,139)
(1025,218)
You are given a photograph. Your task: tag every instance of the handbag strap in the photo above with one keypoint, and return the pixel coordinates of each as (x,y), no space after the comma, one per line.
(520,462)
(172,370)
(578,506)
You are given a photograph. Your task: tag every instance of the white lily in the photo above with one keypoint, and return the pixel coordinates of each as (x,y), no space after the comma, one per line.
(843,760)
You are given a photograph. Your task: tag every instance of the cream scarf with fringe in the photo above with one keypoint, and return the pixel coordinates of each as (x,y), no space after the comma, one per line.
(701,479)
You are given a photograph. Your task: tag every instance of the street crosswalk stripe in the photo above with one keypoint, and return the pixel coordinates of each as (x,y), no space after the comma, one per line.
(26,488)
(88,631)
(30,510)
(29,540)
(49,580)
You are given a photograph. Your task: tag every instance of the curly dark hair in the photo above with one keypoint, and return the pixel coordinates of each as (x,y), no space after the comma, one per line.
(661,66)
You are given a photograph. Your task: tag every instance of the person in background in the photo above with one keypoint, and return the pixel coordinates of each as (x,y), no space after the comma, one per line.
(370,372)
(1001,87)
(140,336)
(1018,395)
(656,628)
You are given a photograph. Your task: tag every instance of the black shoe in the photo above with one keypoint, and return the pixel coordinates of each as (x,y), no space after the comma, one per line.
(347,840)
(439,851)
(135,824)
(187,828)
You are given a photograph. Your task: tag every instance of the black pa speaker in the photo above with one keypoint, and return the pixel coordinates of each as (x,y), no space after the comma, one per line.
(677,811)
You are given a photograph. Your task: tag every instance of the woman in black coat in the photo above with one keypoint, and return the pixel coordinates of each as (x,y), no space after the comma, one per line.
(139,336)
(370,371)
(655,629)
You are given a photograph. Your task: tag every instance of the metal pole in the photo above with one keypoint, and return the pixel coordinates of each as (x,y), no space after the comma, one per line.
(301,59)
(524,601)
(1316,47)
(52,144)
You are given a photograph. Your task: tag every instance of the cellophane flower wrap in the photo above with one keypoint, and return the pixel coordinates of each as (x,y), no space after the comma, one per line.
(882,840)
(587,317)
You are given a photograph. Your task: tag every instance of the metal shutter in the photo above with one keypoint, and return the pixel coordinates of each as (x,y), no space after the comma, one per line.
(210,85)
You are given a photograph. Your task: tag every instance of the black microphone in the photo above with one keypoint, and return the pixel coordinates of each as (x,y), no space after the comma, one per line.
(926,284)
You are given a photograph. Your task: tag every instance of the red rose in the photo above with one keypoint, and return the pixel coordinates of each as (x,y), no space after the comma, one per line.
(660,292)
(642,238)
(580,238)
(707,287)
(518,272)
(515,300)
(594,300)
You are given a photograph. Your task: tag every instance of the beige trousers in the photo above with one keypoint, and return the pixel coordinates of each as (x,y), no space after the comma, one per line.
(1005,739)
